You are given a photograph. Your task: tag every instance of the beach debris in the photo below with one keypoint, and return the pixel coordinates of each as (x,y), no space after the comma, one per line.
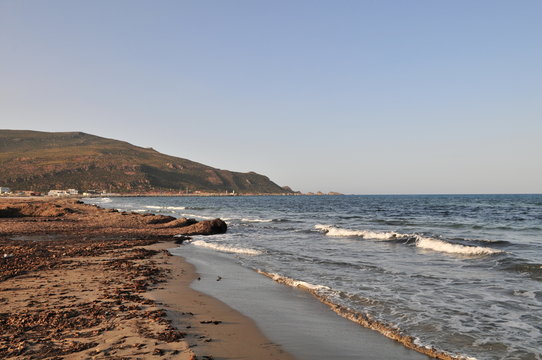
(218,278)
(53,237)
(216,322)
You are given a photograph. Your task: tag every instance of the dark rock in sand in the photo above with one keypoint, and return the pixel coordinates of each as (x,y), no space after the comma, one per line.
(207,227)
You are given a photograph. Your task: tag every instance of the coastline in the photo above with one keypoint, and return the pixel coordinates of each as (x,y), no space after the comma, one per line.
(217,328)
(112,289)
(72,286)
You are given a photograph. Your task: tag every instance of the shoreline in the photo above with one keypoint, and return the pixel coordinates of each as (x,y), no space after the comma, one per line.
(220,330)
(74,286)
(151,285)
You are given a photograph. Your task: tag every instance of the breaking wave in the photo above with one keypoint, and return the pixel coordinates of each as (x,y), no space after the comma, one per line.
(165,207)
(199,216)
(330,230)
(322,293)
(257,220)
(421,242)
(293,283)
(225,248)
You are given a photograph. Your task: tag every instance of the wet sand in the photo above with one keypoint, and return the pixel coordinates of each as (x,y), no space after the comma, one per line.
(291,317)
(81,282)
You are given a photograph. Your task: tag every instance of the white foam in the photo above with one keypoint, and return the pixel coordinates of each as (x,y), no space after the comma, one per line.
(330,230)
(199,216)
(224,248)
(293,283)
(165,207)
(446,247)
(257,220)
(422,242)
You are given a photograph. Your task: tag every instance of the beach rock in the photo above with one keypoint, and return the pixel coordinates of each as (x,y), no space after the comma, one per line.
(158,219)
(182,222)
(207,227)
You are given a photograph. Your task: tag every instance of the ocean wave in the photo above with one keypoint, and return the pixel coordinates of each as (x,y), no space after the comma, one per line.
(100,200)
(331,230)
(257,220)
(225,248)
(199,216)
(322,293)
(422,242)
(292,282)
(446,247)
(165,207)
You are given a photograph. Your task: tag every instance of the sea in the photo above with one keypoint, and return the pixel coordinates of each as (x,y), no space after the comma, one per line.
(459,273)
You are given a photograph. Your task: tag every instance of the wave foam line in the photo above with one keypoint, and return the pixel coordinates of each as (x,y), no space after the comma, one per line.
(228,249)
(293,283)
(166,207)
(199,216)
(330,230)
(422,242)
(257,220)
(446,247)
(365,320)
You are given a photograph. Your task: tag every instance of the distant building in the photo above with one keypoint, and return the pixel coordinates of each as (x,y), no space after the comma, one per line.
(68,192)
(4,190)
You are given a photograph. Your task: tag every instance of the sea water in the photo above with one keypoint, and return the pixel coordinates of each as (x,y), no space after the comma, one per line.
(460,273)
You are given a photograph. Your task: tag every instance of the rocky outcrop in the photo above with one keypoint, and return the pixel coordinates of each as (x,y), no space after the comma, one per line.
(207,227)
(179,223)
(158,219)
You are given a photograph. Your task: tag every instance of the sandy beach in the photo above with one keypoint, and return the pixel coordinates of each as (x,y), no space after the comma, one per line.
(79,282)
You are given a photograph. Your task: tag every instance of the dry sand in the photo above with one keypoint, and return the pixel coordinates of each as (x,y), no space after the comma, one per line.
(77,282)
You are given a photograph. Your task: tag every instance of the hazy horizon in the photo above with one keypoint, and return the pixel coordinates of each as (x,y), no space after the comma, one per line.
(367,97)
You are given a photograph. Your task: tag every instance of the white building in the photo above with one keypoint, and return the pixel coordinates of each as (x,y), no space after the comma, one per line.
(4,190)
(68,192)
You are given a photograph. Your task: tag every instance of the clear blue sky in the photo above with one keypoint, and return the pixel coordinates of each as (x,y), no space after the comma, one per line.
(351,96)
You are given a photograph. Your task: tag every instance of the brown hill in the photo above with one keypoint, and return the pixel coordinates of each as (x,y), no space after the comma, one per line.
(41,161)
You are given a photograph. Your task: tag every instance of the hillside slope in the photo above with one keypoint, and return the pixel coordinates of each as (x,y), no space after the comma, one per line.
(40,161)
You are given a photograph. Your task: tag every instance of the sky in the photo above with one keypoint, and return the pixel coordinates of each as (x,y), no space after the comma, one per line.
(359,97)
